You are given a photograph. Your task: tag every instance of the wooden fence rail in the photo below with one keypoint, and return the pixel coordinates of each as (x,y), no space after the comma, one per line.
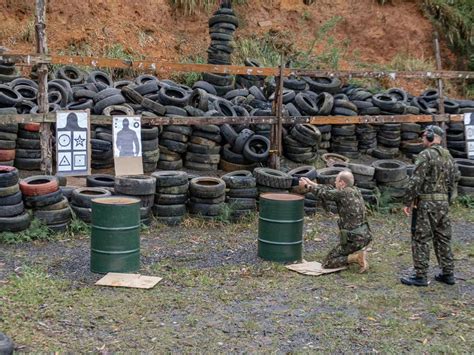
(164,66)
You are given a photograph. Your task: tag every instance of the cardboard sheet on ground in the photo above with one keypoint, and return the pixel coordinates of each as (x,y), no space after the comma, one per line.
(312,268)
(128,280)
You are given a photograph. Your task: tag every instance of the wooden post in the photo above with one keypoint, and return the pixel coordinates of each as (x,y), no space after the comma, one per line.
(42,50)
(276,132)
(440,84)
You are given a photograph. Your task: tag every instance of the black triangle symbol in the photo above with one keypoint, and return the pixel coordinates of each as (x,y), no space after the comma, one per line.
(64,161)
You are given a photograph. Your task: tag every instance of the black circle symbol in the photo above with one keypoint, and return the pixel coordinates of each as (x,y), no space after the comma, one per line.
(64,140)
(136,124)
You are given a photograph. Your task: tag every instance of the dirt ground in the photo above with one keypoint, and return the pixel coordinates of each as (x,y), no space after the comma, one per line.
(218,296)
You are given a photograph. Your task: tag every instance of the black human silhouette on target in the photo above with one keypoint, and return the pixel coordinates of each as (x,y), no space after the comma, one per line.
(127,141)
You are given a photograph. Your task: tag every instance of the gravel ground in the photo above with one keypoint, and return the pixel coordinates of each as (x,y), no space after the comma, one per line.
(218,296)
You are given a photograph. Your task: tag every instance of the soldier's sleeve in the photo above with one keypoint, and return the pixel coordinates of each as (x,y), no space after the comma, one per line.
(327,192)
(453,178)
(416,180)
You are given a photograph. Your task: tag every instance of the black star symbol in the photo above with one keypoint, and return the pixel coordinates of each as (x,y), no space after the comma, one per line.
(79,141)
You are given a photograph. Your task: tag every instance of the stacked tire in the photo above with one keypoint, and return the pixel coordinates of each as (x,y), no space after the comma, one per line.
(206,197)
(388,141)
(173,143)
(392,178)
(81,201)
(343,107)
(307,171)
(247,81)
(42,195)
(411,143)
(455,140)
(325,144)
(366,137)
(150,149)
(344,141)
(243,150)
(142,187)
(28,147)
(241,193)
(105,181)
(271,180)
(13,217)
(171,196)
(364,180)
(210,138)
(8,71)
(222,26)
(466,183)
(102,149)
(301,145)
(8,136)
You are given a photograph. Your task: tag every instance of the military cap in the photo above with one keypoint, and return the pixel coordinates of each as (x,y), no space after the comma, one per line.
(435,129)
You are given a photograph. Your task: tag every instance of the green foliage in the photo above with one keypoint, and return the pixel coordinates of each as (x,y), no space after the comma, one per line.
(306,15)
(406,62)
(36,231)
(466,201)
(264,49)
(78,227)
(28,32)
(332,52)
(189,78)
(118,51)
(267,49)
(455,20)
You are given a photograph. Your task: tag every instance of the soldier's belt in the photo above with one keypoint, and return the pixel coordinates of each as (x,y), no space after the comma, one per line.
(433,197)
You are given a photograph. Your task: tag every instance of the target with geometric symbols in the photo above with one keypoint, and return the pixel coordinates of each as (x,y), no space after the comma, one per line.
(72,143)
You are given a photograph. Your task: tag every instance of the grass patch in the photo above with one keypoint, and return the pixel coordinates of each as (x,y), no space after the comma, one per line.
(406,62)
(246,305)
(36,231)
(189,78)
(28,32)
(455,21)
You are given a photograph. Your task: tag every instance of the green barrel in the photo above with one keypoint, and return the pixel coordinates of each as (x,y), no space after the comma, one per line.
(115,237)
(280,227)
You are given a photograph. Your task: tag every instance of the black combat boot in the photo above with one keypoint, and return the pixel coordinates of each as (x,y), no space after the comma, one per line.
(414,280)
(446,278)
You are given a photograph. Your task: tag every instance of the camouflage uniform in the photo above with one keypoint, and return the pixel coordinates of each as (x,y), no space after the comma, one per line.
(430,188)
(353,227)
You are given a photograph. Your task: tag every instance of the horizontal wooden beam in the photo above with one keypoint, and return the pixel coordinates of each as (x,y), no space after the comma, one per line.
(196,121)
(166,67)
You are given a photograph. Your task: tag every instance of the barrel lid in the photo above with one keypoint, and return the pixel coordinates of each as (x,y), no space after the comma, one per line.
(281,197)
(116,200)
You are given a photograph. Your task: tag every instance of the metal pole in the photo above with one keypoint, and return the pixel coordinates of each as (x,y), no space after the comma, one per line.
(276,132)
(440,84)
(42,50)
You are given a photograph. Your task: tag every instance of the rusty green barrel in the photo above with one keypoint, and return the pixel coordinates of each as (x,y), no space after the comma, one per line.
(115,236)
(280,227)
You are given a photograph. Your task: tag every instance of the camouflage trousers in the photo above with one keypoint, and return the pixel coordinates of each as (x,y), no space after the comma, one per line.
(337,257)
(432,224)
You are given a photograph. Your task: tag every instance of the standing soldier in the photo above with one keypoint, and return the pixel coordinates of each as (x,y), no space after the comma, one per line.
(354,229)
(430,189)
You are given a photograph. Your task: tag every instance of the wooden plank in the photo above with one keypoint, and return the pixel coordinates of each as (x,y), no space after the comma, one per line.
(157,65)
(317,120)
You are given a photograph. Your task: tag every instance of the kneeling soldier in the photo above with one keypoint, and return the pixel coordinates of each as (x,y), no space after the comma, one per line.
(354,229)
